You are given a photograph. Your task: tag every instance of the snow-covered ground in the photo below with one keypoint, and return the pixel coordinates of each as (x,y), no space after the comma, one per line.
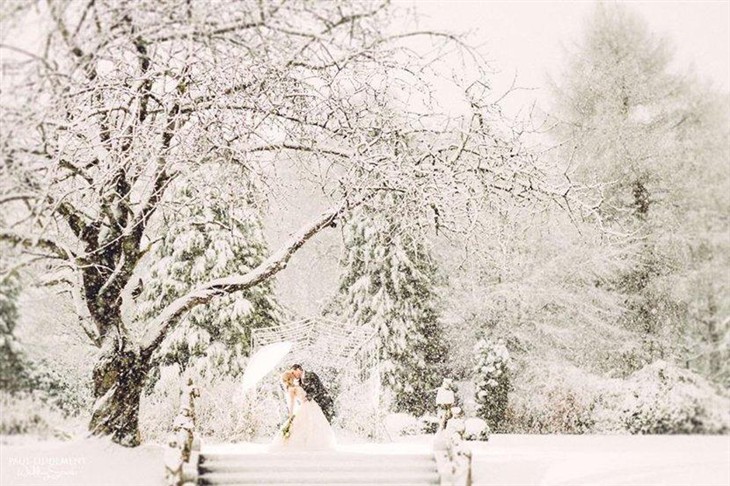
(556,460)
(86,462)
(562,460)
(613,460)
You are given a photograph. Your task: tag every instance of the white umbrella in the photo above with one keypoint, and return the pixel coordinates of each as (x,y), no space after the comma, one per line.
(263,362)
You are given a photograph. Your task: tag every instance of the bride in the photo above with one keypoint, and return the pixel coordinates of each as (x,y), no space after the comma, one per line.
(309,429)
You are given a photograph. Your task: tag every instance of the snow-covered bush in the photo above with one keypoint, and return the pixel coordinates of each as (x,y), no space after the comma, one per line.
(556,398)
(668,400)
(428,423)
(476,429)
(39,359)
(59,389)
(27,413)
(223,413)
(50,383)
(240,416)
(399,424)
(657,399)
(492,381)
(570,412)
(360,416)
(160,405)
(447,402)
(557,410)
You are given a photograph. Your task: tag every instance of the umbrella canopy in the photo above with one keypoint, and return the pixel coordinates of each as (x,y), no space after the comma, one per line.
(263,362)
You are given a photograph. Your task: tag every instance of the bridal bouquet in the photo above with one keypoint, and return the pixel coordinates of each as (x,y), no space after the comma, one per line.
(286,428)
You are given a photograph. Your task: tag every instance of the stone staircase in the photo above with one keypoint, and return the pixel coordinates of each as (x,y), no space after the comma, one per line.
(317,468)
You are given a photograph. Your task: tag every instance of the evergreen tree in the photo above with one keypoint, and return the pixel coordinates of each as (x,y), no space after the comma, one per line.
(213,232)
(13,365)
(492,382)
(639,132)
(389,283)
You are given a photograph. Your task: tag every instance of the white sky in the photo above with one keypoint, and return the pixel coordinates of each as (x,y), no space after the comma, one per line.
(529,37)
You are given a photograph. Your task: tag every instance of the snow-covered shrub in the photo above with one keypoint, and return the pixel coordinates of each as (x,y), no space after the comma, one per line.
(160,405)
(13,362)
(457,424)
(569,412)
(399,424)
(492,383)
(659,398)
(51,384)
(428,423)
(359,414)
(447,402)
(668,400)
(556,410)
(476,429)
(34,378)
(223,411)
(239,416)
(554,398)
(58,389)
(27,413)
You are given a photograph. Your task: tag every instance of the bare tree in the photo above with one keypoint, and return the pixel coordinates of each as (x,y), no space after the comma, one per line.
(116,98)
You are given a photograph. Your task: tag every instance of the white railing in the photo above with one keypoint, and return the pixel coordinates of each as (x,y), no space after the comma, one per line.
(453,457)
(183,448)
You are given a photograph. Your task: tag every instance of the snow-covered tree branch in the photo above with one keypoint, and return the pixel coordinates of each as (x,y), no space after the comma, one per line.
(114,102)
(275,263)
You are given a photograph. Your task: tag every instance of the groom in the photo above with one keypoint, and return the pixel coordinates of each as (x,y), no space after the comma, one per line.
(315,390)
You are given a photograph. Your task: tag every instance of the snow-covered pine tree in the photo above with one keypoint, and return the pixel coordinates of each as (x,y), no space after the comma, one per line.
(213,232)
(389,283)
(492,384)
(13,365)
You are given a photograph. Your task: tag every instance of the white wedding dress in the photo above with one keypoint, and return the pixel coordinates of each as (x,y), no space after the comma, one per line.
(310,430)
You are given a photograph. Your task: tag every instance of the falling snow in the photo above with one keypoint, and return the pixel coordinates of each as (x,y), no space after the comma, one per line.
(544,288)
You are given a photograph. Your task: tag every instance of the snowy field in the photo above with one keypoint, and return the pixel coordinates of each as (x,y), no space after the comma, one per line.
(88,462)
(505,460)
(620,460)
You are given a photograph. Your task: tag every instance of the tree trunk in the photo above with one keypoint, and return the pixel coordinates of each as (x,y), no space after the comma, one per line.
(118,379)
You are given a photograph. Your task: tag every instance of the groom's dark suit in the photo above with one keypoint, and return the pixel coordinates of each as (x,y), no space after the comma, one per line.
(317,392)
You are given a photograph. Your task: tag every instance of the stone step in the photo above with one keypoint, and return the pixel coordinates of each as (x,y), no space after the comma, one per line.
(311,467)
(304,461)
(316,477)
(315,457)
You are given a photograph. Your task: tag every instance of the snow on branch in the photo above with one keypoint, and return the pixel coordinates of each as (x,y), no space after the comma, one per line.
(33,241)
(164,322)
